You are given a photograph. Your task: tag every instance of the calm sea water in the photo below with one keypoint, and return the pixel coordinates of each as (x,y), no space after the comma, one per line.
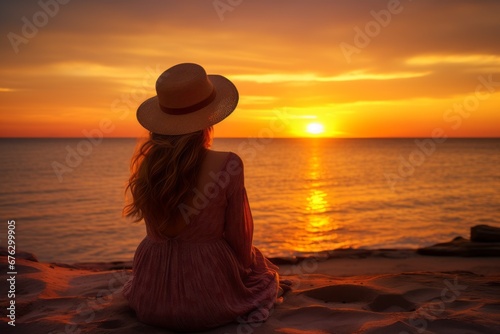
(306,195)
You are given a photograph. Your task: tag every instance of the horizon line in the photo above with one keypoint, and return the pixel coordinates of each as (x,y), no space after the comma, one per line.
(246,137)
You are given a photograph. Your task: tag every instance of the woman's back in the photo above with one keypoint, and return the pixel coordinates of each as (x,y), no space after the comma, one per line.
(213,162)
(204,271)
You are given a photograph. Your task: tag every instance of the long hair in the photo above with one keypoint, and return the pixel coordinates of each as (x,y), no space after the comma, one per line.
(164,170)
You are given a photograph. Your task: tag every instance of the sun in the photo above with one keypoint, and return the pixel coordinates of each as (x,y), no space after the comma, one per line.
(315,128)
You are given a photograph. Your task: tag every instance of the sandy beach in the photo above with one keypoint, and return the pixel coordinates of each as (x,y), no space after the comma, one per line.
(344,291)
(355,144)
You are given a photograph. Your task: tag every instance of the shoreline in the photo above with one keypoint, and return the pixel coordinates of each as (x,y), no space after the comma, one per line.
(458,246)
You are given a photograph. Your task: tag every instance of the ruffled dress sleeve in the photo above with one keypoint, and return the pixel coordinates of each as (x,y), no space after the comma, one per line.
(238,227)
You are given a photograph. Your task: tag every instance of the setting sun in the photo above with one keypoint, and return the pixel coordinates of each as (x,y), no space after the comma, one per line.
(315,128)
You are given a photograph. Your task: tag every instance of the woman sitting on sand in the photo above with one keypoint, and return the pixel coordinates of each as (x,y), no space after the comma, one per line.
(196,268)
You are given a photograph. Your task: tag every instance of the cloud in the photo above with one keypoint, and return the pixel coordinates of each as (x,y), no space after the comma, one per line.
(456,59)
(256,99)
(279,53)
(312,77)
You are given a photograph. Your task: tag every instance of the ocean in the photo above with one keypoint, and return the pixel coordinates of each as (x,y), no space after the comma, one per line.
(306,195)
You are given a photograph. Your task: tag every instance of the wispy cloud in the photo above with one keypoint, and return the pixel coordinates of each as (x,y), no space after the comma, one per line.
(256,99)
(312,77)
(462,59)
(280,54)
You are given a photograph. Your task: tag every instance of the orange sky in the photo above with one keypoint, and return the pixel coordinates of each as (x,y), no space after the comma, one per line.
(424,65)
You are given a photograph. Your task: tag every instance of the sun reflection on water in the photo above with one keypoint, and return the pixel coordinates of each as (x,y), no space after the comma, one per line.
(318,229)
(316,206)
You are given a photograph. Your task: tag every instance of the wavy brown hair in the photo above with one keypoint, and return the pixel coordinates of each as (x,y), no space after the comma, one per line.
(164,170)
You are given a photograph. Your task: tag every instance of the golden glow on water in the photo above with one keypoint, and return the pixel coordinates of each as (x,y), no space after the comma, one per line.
(319,225)
(306,195)
(316,205)
(316,202)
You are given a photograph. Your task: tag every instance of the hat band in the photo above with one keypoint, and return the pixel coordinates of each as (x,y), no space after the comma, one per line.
(190,109)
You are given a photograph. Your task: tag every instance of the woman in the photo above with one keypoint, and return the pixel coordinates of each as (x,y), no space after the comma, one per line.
(196,268)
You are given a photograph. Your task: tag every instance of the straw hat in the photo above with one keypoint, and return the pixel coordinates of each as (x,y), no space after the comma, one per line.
(187,100)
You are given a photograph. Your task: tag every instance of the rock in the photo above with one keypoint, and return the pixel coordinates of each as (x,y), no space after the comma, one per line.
(485,233)
(462,247)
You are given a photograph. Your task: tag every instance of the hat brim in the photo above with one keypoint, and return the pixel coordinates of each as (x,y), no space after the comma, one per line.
(151,117)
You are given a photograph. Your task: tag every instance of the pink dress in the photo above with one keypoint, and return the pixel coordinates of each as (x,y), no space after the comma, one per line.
(210,274)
